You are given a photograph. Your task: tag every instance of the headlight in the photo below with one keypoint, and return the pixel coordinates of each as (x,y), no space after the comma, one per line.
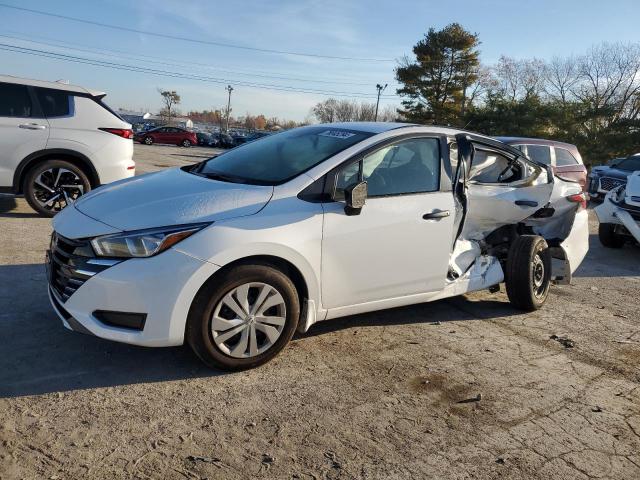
(143,243)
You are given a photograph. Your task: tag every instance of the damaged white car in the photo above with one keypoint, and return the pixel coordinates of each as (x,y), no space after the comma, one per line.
(619,214)
(232,255)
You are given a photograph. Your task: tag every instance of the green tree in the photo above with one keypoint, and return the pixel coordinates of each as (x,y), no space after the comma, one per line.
(435,85)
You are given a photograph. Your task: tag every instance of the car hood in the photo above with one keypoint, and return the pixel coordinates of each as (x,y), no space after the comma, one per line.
(171,197)
(613,172)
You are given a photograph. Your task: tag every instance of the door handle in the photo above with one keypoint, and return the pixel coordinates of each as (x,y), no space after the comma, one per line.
(436,215)
(31,126)
(526,203)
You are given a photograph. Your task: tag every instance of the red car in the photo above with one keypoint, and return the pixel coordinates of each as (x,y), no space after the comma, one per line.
(564,158)
(171,135)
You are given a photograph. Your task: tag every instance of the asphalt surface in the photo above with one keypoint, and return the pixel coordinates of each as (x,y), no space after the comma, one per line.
(461,388)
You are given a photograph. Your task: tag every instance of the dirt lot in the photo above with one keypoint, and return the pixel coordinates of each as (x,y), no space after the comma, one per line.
(378,396)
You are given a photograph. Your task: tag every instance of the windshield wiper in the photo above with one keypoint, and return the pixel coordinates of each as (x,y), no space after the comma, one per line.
(222,177)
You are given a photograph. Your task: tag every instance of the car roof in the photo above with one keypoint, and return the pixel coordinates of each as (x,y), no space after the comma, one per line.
(535,141)
(381,127)
(53,85)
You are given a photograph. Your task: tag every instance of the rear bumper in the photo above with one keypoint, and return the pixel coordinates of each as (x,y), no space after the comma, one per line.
(117,170)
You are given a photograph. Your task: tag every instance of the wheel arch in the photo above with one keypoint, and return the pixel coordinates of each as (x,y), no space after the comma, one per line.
(78,159)
(279,263)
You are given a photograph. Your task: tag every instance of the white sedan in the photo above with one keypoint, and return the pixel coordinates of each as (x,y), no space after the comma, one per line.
(232,255)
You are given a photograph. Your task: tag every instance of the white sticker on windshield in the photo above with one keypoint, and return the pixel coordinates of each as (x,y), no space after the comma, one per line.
(336,134)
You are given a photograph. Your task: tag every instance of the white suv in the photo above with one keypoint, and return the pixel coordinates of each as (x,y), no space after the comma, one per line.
(58,141)
(234,253)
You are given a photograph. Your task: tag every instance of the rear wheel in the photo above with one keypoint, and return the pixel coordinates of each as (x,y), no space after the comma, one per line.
(528,273)
(54,184)
(243,318)
(186,143)
(608,236)
(148,141)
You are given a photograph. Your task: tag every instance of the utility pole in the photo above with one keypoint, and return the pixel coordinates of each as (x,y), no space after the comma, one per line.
(380,89)
(228,89)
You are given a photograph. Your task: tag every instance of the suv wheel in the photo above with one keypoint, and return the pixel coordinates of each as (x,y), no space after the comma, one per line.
(608,236)
(186,143)
(244,318)
(148,141)
(528,272)
(52,185)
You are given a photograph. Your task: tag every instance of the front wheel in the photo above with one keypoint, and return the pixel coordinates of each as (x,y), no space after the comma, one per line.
(243,318)
(148,141)
(608,236)
(54,184)
(528,272)
(186,143)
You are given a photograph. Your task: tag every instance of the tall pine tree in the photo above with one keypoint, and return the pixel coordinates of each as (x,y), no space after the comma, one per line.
(435,84)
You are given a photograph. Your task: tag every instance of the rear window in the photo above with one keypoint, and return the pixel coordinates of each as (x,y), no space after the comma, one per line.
(540,153)
(564,158)
(54,103)
(14,100)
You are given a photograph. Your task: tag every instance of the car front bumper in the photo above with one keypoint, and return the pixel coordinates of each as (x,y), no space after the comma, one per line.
(161,287)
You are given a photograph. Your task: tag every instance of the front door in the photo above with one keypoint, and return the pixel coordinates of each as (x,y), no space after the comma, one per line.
(21,132)
(400,242)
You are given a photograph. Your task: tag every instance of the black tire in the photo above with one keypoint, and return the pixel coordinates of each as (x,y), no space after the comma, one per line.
(147,141)
(199,333)
(608,236)
(186,143)
(528,274)
(46,174)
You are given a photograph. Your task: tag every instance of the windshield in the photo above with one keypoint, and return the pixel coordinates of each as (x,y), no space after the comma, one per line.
(631,164)
(277,158)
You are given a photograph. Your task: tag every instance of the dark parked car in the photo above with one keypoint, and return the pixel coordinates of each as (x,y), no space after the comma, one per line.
(564,158)
(223,140)
(606,177)
(171,135)
(204,139)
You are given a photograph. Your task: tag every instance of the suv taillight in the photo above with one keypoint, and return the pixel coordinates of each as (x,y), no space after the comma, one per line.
(121,132)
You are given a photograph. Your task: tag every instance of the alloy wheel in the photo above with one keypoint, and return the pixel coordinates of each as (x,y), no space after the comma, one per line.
(248,320)
(57,188)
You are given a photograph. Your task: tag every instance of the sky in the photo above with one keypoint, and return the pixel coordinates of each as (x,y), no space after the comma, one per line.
(369,36)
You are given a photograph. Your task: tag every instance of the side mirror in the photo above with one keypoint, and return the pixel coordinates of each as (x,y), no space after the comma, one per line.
(355,197)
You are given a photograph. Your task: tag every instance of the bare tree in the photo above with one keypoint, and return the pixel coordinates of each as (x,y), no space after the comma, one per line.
(169,98)
(325,111)
(561,75)
(610,78)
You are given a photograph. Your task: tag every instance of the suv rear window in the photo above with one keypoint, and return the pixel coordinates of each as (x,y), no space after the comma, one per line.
(564,157)
(14,100)
(540,153)
(54,103)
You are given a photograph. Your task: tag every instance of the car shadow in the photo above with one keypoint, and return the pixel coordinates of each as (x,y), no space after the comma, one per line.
(454,309)
(44,357)
(9,208)
(40,356)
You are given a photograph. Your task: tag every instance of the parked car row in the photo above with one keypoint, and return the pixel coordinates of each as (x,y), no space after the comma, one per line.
(186,138)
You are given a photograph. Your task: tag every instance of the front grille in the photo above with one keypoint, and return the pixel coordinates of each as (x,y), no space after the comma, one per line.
(608,183)
(70,263)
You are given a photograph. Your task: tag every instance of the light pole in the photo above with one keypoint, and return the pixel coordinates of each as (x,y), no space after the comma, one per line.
(228,89)
(380,89)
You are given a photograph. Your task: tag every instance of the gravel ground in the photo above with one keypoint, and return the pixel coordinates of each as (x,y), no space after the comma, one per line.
(460,388)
